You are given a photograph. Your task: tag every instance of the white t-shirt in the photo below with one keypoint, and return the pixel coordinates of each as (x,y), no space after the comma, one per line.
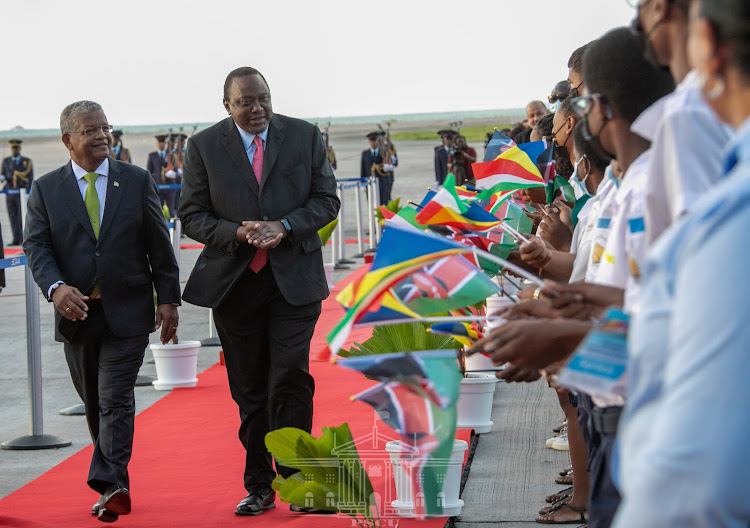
(687,141)
(583,233)
(625,248)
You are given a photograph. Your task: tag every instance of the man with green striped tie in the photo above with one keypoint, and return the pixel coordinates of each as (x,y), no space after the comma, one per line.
(98,247)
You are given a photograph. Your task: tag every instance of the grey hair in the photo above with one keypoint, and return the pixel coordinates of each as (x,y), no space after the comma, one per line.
(69,115)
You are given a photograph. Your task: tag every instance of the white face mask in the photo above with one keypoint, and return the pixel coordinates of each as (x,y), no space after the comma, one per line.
(579,186)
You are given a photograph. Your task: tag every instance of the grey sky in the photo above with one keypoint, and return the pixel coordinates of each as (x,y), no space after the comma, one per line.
(165,62)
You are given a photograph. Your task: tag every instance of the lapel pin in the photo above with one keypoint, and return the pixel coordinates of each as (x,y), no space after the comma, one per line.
(117,184)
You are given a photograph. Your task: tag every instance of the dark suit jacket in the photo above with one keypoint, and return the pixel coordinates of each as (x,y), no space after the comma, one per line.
(132,253)
(367,162)
(24,166)
(219,191)
(154,166)
(441,164)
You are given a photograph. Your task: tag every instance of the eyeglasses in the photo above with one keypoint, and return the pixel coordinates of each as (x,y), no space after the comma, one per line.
(583,105)
(574,91)
(557,97)
(92,131)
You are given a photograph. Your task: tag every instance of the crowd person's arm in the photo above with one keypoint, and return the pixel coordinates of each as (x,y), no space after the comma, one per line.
(536,254)
(533,343)
(582,298)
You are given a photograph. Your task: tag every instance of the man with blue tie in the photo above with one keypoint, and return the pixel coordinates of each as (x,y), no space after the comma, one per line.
(17,173)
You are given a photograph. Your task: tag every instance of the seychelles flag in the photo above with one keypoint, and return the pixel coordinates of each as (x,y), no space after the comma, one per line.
(512,170)
(448,209)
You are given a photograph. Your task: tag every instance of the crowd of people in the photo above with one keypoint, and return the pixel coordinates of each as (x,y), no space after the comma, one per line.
(653,132)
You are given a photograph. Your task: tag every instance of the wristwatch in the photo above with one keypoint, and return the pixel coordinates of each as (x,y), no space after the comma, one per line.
(286,225)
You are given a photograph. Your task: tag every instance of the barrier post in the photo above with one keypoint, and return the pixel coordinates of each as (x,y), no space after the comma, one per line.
(338,247)
(36,439)
(358,209)
(213,336)
(371,204)
(376,236)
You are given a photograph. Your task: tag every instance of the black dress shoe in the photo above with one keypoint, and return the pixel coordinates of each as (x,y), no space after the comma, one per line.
(115,502)
(260,499)
(305,509)
(97,505)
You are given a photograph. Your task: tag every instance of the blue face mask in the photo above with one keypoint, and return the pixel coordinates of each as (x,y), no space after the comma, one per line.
(554,106)
(579,186)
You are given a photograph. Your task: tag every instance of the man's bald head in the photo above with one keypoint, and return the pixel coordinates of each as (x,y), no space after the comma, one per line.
(535,110)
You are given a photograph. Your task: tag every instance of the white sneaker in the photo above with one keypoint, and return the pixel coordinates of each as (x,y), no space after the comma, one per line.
(550,441)
(561,443)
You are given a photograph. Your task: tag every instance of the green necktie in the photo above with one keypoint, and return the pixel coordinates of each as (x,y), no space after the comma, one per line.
(91,199)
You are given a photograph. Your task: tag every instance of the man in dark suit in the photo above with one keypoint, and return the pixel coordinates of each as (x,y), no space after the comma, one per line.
(18,173)
(157,165)
(256,188)
(98,246)
(441,155)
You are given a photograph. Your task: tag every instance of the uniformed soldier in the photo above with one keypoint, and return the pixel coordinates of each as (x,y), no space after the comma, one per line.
(376,161)
(173,172)
(118,151)
(330,153)
(17,173)
(157,165)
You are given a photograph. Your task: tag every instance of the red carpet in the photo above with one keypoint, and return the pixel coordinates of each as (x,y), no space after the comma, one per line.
(187,462)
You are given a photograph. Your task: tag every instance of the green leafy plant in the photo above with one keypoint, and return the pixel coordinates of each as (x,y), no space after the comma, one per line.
(409,337)
(326,231)
(393,206)
(328,479)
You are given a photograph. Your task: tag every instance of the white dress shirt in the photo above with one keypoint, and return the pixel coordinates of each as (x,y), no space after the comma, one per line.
(687,141)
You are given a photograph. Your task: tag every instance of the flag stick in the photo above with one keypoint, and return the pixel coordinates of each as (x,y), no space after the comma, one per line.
(516,234)
(505,264)
(451,319)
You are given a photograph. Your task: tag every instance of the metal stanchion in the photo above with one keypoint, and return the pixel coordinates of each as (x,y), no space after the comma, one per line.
(376,235)
(338,248)
(371,204)
(213,336)
(358,208)
(36,439)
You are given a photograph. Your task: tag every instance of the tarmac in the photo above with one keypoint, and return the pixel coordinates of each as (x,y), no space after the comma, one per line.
(511,470)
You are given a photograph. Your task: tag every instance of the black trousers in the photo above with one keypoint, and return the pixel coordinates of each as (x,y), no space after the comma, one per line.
(266,344)
(604,499)
(385,184)
(104,368)
(13,203)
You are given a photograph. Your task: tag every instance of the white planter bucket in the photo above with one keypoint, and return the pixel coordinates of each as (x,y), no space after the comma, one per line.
(494,303)
(451,487)
(176,365)
(480,362)
(329,275)
(475,403)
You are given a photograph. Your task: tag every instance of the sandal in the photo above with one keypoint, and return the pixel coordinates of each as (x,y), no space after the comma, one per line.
(545,510)
(556,496)
(543,519)
(565,471)
(567,479)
